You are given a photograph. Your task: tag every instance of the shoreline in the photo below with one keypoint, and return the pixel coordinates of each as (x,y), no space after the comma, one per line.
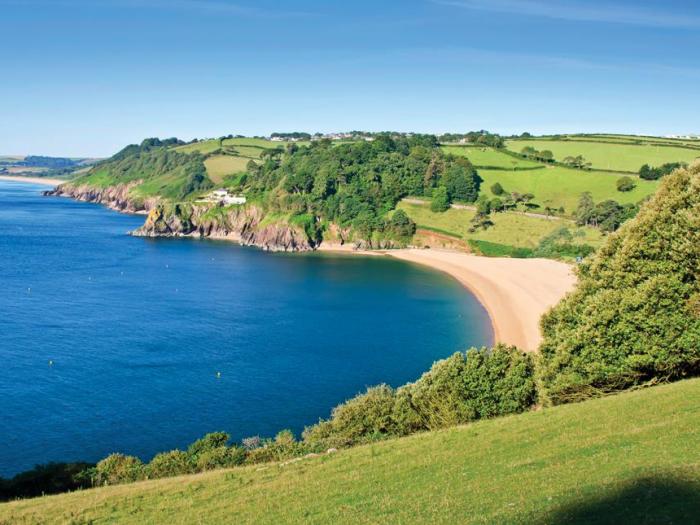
(514,292)
(33,180)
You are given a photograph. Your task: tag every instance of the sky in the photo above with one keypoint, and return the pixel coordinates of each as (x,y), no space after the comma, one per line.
(86,77)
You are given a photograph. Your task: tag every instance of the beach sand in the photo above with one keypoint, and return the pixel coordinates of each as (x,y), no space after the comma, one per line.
(514,292)
(33,180)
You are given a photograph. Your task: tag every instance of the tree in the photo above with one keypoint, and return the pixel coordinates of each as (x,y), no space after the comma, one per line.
(634,317)
(461,182)
(546,156)
(497,204)
(401,225)
(584,211)
(497,189)
(440,201)
(625,184)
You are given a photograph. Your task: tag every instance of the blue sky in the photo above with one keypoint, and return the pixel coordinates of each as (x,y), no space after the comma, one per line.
(86,77)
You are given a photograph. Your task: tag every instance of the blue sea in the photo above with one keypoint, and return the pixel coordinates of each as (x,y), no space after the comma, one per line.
(110,343)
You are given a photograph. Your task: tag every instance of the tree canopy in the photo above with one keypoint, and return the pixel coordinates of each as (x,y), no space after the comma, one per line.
(635,316)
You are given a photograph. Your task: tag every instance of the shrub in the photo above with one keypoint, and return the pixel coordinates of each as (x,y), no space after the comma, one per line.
(497,189)
(173,463)
(631,320)
(118,468)
(462,388)
(208,442)
(220,457)
(51,478)
(625,184)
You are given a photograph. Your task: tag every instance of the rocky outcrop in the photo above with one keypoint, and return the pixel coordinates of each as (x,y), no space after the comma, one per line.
(242,224)
(115,197)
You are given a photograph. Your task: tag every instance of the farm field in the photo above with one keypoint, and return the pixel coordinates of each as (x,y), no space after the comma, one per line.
(509,228)
(218,166)
(628,458)
(619,157)
(490,157)
(556,187)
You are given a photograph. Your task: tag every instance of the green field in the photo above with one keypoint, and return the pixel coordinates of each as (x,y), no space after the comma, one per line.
(218,166)
(630,458)
(555,186)
(511,229)
(204,147)
(490,157)
(620,157)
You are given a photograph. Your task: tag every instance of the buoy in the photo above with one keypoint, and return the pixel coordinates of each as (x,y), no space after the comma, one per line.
(218,375)
(29,290)
(50,362)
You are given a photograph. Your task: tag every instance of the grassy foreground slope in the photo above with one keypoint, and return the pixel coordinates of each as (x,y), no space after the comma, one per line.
(630,458)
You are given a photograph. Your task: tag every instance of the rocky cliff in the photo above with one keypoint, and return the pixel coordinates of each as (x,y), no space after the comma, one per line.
(246,224)
(242,224)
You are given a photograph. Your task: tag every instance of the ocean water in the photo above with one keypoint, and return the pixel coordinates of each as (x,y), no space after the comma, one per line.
(110,343)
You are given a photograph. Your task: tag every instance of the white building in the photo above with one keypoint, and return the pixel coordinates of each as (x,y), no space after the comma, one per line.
(222,196)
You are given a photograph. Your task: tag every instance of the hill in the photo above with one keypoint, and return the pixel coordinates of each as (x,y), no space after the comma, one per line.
(633,458)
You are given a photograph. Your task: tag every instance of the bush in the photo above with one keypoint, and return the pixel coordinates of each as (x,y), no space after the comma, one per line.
(465,387)
(209,442)
(631,320)
(173,463)
(625,184)
(220,457)
(118,468)
(497,189)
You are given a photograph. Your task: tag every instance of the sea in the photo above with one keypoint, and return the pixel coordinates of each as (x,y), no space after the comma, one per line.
(112,343)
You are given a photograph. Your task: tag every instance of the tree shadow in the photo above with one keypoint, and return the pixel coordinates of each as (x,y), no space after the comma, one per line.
(647,500)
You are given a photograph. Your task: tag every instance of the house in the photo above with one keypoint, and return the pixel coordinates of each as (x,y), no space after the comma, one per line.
(222,196)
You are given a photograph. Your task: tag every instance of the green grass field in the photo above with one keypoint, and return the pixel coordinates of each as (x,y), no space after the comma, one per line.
(620,157)
(555,186)
(509,228)
(204,147)
(482,156)
(630,458)
(218,166)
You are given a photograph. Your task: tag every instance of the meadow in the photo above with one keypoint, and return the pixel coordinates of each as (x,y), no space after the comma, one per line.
(555,186)
(490,157)
(510,228)
(632,457)
(606,156)
(218,166)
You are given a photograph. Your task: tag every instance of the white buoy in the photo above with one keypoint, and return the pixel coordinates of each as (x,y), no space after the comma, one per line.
(218,375)
(50,362)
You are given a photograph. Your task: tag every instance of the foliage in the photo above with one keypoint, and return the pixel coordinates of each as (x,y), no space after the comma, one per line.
(632,319)
(119,468)
(173,463)
(467,386)
(607,215)
(625,184)
(494,249)
(51,478)
(497,189)
(646,172)
(219,457)
(560,244)
(441,200)
(154,169)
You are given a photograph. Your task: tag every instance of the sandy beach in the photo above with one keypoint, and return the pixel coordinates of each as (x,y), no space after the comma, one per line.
(33,180)
(515,292)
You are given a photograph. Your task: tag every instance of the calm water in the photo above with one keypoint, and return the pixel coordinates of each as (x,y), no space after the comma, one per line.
(137,330)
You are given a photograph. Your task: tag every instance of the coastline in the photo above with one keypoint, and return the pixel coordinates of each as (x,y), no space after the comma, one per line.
(514,292)
(33,180)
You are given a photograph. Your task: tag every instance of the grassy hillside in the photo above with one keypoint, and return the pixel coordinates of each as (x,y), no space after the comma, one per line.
(607,156)
(509,228)
(555,186)
(632,458)
(484,157)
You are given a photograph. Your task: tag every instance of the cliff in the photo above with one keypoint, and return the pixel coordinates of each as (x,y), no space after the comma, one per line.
(247,225)
(242,224)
